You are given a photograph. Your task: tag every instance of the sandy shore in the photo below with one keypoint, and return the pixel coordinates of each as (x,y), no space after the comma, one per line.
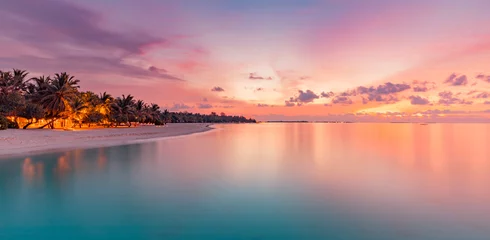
(14,142)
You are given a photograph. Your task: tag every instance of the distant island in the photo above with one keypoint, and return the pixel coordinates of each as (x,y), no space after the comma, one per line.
(56,102)
(287,121)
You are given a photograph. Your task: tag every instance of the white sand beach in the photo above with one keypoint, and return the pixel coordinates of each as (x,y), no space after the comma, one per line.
(16,142)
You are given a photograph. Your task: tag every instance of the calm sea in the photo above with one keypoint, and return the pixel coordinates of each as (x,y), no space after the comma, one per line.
(264,181)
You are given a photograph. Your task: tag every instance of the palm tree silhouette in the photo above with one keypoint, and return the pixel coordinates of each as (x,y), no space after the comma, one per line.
(122,108)
(57,95)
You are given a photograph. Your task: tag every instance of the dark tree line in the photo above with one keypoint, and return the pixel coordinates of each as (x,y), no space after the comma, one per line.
(30,101)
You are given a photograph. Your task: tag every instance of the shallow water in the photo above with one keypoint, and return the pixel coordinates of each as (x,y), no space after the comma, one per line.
(263,181)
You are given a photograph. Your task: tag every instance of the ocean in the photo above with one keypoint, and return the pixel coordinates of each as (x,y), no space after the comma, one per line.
(294,181)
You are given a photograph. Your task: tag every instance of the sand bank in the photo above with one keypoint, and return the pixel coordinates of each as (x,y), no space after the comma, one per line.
(16,142)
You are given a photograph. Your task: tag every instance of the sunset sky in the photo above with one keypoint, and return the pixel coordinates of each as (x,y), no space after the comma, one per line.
(378,60)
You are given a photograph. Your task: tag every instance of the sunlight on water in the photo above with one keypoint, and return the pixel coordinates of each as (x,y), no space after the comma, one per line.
(264,181)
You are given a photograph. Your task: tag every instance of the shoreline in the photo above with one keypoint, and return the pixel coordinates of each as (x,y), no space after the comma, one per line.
(28,142)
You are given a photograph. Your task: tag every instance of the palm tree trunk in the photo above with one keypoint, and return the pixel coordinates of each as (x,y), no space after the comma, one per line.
(49,123)
(27,125)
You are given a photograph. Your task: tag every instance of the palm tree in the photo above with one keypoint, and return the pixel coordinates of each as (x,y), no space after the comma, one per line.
(141,111)
(123,109)
(166,116)
(13,82)
(57,95)
(78,108)
(12,88)
(32,112)
(155,114)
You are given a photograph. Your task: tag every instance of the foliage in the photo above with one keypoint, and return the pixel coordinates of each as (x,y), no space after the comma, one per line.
(3,123)
(12,124)
(58,97)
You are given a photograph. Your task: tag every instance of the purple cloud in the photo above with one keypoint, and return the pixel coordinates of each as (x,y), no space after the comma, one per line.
(264,105)
(217,89)
(327,94)
(417,100)
(289,104)
(71,38)
(51,22)
(422,86)
(304,97)
(82,64)
(156,70)
(179,106)
(483,77)
(482,95)
(383,93)
(448,98)
(342,100)
(255,76)
(456,80)
(204,106)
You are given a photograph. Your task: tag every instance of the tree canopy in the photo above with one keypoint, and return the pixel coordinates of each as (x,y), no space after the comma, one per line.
(59,98)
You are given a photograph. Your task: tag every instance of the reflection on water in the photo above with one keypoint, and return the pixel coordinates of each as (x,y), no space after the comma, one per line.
(264,181)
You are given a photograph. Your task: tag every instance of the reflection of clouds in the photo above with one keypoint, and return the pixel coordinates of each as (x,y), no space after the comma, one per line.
(32,171)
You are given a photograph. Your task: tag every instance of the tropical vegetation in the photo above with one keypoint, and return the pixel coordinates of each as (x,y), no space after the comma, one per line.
(47,101)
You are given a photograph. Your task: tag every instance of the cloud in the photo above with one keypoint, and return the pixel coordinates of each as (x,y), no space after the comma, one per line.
(384,89)
(179,106)
(307,96)
(289,104)
(482,95)
(83,64)
(417,100)
(348,93)
(265,105)
(448,98)
(67,36)
(438,111)
(259,89)
(483,77)
(486,102)
(303,97)
(156,70)
(49,23)
(420,89)
(327,94)
(204,99)
(383,93)
(422,86)
(342,100)
(456,80)
(204,106)
(255,76)
(217,89)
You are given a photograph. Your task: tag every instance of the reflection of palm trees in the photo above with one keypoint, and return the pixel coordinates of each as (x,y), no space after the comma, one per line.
(32,171)
(62,166)
(101,159)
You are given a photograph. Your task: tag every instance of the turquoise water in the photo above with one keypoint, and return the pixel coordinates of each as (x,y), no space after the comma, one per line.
(264,181)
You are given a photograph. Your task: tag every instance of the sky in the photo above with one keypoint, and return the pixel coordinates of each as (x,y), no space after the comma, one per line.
(315,60)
